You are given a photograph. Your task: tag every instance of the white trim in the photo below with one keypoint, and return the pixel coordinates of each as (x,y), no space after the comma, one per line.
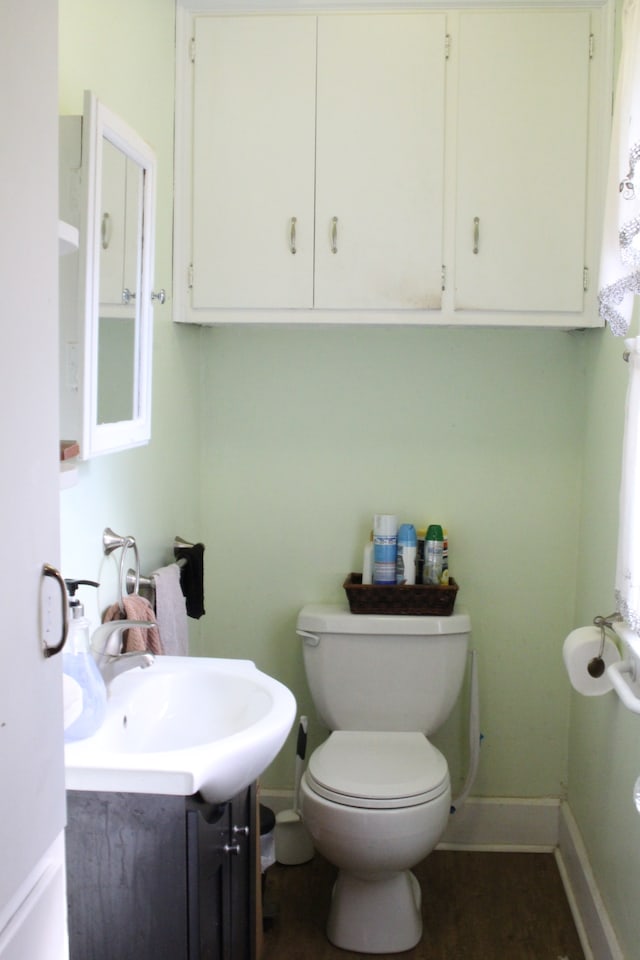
(507,824)
(503,823)
(481,823)
(38,909)
(589,912)
(346,6)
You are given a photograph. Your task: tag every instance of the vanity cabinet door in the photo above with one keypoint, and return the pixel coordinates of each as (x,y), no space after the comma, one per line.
(220,844)
(379,161)
(253,162)
(126,876)
(242,881)
(208,882)
(521,159)
(153,876)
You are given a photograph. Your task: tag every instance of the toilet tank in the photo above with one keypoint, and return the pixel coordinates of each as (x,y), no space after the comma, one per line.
(369,672)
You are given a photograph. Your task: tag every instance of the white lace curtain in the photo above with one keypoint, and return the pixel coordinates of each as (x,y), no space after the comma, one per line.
(619,284)
(628,564)
(620,261)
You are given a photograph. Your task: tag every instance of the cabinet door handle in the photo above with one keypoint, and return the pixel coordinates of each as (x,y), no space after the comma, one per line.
(334,235)
(105,230)
(49,571)
(233,848)
(240,831)
(292,235)
(128,296)
(476,234)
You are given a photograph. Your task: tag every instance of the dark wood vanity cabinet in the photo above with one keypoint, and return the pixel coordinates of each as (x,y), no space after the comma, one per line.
(153,876)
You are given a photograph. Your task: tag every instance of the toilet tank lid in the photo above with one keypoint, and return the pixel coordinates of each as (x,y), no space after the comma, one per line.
(335,618)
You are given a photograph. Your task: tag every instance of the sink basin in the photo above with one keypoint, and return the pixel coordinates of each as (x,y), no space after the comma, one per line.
(182,726)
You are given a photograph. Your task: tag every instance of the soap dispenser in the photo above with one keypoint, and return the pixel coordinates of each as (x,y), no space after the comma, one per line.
(85,694)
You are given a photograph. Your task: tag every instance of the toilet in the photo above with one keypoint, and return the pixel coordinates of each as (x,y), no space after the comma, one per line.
(376,795)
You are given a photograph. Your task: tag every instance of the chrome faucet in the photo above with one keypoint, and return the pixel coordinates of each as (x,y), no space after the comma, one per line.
(107,654)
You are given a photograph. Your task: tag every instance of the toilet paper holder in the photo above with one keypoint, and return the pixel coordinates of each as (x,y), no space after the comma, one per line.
(625,675)
(596,666)
(608,622)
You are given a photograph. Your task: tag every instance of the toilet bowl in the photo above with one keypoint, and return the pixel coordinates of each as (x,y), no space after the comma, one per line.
(375,803)
(376,794)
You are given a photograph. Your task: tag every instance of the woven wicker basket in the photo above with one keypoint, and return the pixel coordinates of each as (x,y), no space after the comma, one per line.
(419,600)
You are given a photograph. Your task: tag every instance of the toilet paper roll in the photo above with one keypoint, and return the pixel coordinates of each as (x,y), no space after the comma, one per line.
(581,646)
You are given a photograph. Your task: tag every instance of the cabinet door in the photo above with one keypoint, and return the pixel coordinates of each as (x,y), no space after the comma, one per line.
(379,155)
(521,160)
(112,225)
(253,162)
(127,876)
(242,867)
(209,896)
(32,801)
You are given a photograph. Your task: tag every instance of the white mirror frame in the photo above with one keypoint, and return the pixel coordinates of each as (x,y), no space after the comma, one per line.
(100,124)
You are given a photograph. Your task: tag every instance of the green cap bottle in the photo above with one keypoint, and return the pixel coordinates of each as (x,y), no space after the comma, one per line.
(433,544)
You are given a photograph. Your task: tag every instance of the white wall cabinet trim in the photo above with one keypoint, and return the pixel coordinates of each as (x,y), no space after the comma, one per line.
(338,6)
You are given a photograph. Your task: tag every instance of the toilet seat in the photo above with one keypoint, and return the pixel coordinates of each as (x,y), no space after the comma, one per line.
(377,769)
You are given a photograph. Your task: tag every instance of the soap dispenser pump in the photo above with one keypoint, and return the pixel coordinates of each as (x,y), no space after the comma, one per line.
(85,694)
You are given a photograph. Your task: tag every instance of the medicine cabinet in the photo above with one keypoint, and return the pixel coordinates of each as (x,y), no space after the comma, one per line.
(107,187)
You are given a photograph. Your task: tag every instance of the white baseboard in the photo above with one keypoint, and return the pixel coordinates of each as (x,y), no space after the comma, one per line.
(277,800)
(503,823)
(536,825)
(589,913)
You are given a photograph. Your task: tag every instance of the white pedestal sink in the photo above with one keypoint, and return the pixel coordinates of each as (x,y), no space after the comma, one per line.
(182,726)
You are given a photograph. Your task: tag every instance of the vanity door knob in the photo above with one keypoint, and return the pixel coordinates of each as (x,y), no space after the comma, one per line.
(160,296)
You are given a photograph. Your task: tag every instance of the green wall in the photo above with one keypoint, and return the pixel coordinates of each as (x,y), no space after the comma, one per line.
(276,446)
(604,737)
(307,433)
(124,52)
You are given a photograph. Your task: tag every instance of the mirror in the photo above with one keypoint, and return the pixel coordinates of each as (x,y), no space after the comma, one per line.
(112,358)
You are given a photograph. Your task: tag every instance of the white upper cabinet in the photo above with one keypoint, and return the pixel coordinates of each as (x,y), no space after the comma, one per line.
(253,162)
(429,166)
(521,160)
(366,147)
(379,161)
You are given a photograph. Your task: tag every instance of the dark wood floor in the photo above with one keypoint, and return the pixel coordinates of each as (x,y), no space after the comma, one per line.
(476,906)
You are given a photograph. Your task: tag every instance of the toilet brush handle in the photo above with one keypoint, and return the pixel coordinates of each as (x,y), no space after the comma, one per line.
(301,745)
(301,750)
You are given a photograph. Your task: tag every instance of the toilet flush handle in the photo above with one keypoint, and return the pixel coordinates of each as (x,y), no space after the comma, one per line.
(311,639)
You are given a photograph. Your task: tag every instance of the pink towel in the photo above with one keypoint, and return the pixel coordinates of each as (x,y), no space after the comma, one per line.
(136,639)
